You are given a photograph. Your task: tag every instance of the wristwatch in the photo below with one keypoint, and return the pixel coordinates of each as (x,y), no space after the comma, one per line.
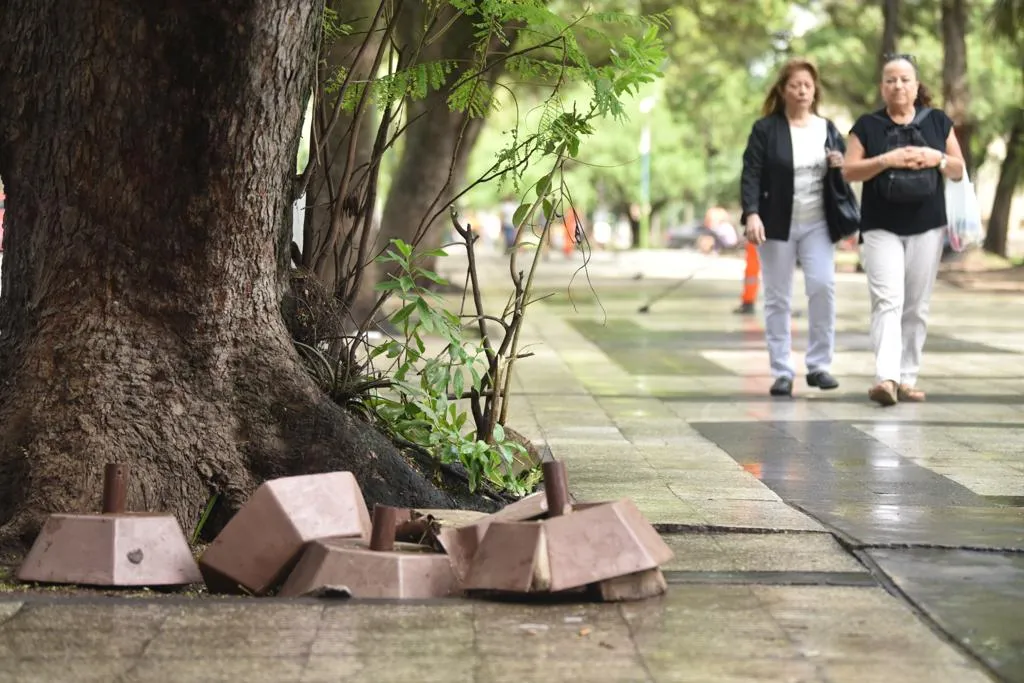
(942,163)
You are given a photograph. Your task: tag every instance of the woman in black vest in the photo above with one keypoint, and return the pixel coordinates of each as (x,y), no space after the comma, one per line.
(783,195)
(902,153)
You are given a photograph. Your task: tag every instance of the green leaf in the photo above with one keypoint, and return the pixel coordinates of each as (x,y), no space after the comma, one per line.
(403,248)
(402,315)
(519,217)
(499,433)
(433,277)
(543,186)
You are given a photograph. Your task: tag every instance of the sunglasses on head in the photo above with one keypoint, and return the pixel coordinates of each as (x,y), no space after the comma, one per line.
(894,56)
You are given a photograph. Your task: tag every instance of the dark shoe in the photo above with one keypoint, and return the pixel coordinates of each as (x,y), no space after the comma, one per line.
(745,309)
(783,387)
(822,380)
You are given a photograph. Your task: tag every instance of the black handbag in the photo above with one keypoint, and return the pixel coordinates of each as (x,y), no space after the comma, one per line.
(842,212)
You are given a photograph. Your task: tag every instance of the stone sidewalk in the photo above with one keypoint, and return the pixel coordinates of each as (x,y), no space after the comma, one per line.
(799,526)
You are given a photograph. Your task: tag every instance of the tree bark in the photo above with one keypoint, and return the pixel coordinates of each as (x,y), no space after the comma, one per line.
(148,151)
(955,88)
(1011,172)
(890,31)
(438,141)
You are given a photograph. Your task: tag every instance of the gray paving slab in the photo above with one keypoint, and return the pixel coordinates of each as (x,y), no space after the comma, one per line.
(983,612)
(739,552)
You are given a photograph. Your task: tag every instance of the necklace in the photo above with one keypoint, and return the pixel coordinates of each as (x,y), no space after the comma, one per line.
(901,118)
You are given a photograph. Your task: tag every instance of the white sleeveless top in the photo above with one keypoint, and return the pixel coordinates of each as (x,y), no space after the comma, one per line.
(809,166)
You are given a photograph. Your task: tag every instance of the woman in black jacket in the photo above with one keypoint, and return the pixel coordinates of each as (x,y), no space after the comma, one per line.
(783,194)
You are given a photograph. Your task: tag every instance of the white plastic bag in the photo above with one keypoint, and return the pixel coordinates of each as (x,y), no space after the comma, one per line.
(963,214)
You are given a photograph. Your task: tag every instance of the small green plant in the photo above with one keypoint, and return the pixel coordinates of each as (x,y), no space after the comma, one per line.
(421,404)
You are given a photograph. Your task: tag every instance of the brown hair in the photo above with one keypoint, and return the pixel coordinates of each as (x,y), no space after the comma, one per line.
(774,103)
(924,95)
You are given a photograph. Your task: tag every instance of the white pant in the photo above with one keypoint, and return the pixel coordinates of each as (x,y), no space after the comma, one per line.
(812,244)
(901,274)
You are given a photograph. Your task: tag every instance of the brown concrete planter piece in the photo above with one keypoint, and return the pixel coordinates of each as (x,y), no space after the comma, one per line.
(262,542)
(584,547)
(461,542)
(115,548)
(380,569)
(592,544)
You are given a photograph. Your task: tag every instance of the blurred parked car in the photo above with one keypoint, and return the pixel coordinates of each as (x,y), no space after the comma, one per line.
(683,236)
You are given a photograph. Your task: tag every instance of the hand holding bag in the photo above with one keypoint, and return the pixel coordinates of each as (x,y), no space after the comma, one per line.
(842,212)
(963,215)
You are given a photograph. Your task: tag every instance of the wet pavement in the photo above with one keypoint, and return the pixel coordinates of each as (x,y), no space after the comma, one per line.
(818,539)
(928,498)
(696,633)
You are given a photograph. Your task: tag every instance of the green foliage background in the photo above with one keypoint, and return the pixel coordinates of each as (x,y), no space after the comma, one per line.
(721,58)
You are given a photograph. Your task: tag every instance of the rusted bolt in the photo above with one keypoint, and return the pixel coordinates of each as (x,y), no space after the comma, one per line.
(115,488)
(556,488)
(382,536)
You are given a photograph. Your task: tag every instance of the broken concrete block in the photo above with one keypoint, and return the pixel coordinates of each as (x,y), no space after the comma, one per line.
(407,572)
(383,569)
(121,549)
(262,542)
(591,544)
(115,548)
(649,583)
(461,542)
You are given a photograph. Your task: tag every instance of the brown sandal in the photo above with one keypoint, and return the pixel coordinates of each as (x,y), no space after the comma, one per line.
(907,393)
(884,393)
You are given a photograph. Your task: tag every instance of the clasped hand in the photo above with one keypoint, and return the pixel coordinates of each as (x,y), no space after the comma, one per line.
(913,157)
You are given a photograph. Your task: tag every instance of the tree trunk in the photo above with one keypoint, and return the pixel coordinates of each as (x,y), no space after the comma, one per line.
(955,89)
(438,141)
(890,31)
(1010,175)
(334,271)
(148,153)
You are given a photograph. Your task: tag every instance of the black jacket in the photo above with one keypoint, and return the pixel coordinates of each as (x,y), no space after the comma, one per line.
(766,186)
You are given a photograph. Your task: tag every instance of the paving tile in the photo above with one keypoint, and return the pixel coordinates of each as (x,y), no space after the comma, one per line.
(890,671)
(8,610)
(984,610)
(853,623)
(123,642)
(248,614)
(752,514)
(241,642)
(748,670)
(97,669)
(609,667)
(390,668)
(118,616)
(218,669)
(798,552)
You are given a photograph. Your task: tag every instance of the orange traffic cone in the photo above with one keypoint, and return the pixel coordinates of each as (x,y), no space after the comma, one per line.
(751,278)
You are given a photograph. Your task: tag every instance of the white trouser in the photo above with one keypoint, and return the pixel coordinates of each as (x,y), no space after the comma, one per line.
(901,274)
(813,246)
